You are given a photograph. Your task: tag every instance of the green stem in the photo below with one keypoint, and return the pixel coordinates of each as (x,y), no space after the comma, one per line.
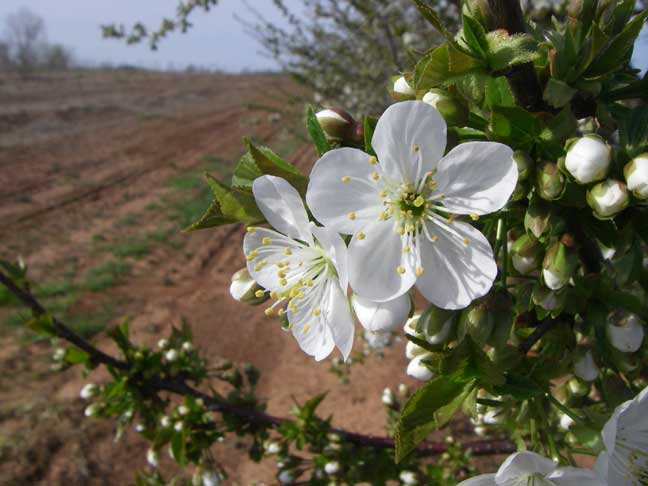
(567,411)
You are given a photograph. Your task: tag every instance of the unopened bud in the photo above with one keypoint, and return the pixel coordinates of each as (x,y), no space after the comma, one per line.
(436,324)
(402,90)
(388,397)
(411,324)
(418,370)
(183,410)
(187,346)
(550,181)
(524,164)
(588,159)
(153,457)
(403,390)
(625,332)
(210,478)
(163,343)
(636,175)
(171,355)
(585,367)
(476,321)
(337,124)
(59,354)
(244,289)
(566,422)
(408,478)
(526,254)
(165,422)
(607,198)
(452,110)
(178,426)
(89,391)
(92,410)
(286,477)
(332,467)
(578,388)
(272,447)
(559,265)
(412,350)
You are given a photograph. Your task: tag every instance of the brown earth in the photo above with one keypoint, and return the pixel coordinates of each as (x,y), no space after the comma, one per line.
(100,167)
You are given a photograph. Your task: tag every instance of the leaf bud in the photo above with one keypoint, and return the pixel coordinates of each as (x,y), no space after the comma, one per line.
(588,159)
(636,175)
(402,90)
(452,110)
(550,182)
(338,125)
(608,198)
(526,254)
(560,263)
(244,289)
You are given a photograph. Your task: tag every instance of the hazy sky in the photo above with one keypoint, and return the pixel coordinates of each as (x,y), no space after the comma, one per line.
(216,40)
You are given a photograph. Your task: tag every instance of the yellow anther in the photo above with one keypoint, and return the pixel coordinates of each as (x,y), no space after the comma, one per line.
(383,216)
(250,256)
(283,281)
(290,326)
(450,219)
(301,295)
(269,311)
(375,176)
(466,241)
(474,216)
(281,274)
(309,282)
(400,230)
(416,148)
(346,179)
(372,160)
(259,293)
(287,251)
(410,228)
(420,271)
(293,293)
(434,238)
(266,240)
(316,312)
(383,193)
(410,212)
(408,185)
(306,329)
(361,236)
(429,173)
(251,229)
(352,216)
(400,270)
(281,312)
(406,249)
(419,201)
(274,295)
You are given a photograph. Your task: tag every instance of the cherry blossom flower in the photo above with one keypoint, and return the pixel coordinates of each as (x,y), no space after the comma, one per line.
(400,207)
(303,267)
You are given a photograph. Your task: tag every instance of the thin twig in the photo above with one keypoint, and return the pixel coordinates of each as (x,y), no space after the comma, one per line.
(179,386)
(543,328)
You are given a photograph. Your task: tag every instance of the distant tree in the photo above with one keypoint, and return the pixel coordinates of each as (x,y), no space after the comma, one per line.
(25,35)
(57,56)
(5,56)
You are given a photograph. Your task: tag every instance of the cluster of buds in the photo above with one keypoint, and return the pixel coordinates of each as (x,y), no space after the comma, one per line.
(438,329)
(173,354)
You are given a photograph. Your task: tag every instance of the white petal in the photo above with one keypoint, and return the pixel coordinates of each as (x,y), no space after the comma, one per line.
(626,338)
(282,206)
(522,463)
(585,367)
(338,315)
(331,200)
(416,369)
(481,480)
(456,273)
(267,275)
(381,316)
(373,263)
(477,177)
(402,127)
(574,476)
(336,250)
(602,464)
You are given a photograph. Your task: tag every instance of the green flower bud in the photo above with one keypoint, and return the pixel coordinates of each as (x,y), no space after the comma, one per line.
(89,391)
(584,366)
(451,109)
(636,175)
(608,198)
(560,263)
(588,159)
(402,90)
(578,388)
(436,324)
(550,181)
(337,124)
(477,322)
(526,254)
(244,289)
(524,164)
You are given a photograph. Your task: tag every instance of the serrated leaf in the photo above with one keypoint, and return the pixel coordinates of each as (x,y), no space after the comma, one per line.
(558,93)
(472,85)
(432,69)
(508,50)
(498,92)
(316,133)
(617,52)
(245,172)
(433,18)
(514,126)
(270,163)
(234,203)
(636,89)
(475,36)
(429,408)
(211,218)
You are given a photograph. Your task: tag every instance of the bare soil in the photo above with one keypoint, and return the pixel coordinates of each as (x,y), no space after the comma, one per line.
(93,164)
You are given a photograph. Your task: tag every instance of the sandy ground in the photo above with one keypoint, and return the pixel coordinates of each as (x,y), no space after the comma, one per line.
(81,156)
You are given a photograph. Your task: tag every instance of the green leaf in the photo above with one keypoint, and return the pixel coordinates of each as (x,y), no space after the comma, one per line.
(245,172)
(422,343)
(508,50)
(475,36)
(519,387)
(432,70)
(431,16)
(469,362)
(270,163)
(42,324)
(178,448)
(234,203)
(558,93)
(316,133)
(369,127)
(514,126)
(429,408)
(212,217)
(557,130)
(618,50)
(636,89)
(75,356)
(498,92)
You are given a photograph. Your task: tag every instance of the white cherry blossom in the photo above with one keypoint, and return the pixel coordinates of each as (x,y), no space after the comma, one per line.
(303,267)
(400,208)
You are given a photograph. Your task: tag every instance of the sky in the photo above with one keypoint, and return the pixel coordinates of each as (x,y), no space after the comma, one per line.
(217,40)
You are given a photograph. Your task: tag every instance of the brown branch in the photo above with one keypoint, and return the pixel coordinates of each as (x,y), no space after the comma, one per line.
(543,328)
(179,386)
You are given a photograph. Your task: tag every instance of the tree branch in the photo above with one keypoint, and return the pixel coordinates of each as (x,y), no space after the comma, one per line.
(179,386)
(543,328)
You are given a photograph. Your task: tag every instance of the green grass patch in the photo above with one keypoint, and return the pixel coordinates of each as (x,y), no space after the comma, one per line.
(159,236)
(132,248)
(6,297)
(106,275)
(54,288)
(129,220)
(91,324)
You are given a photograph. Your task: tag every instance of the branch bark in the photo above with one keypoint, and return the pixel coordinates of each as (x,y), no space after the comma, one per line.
(180,387)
